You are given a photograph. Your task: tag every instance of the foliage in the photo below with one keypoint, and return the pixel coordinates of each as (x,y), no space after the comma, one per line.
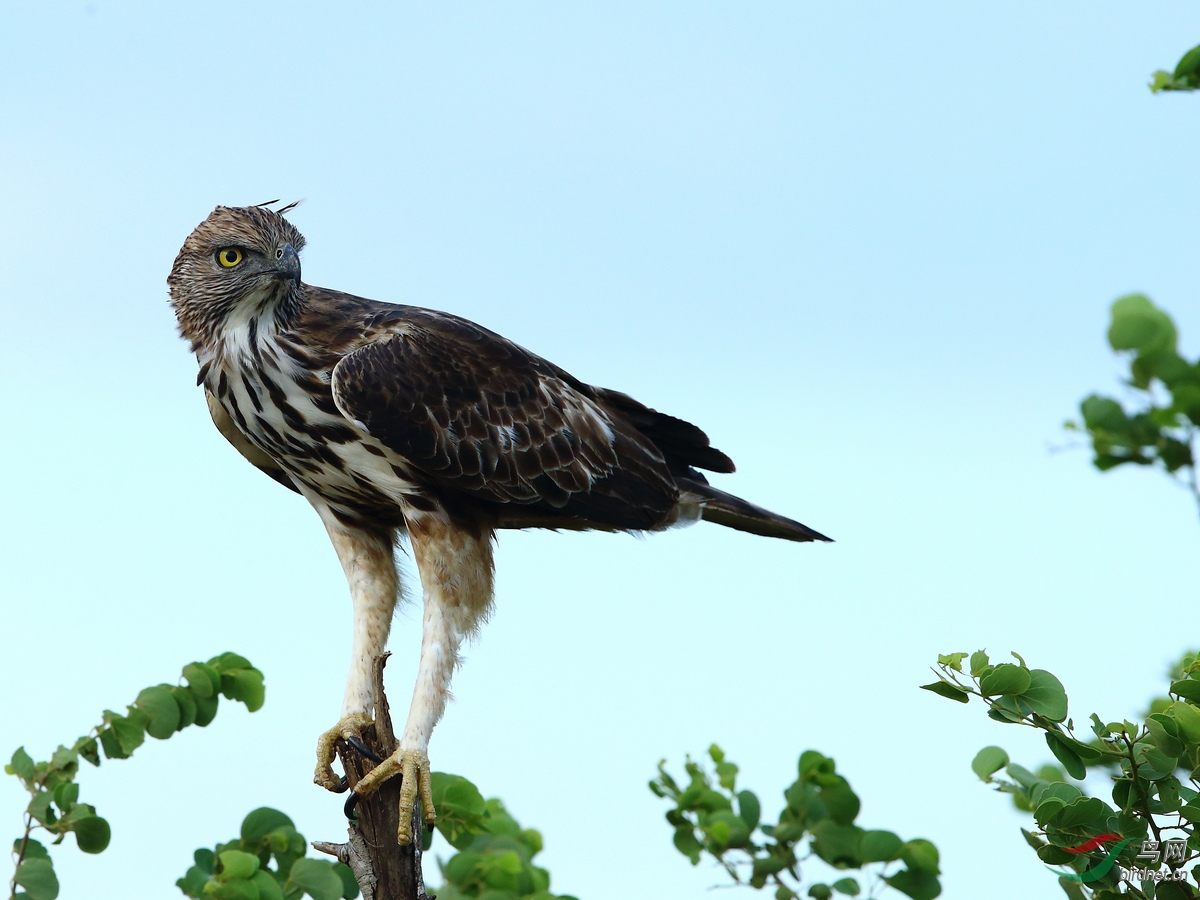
(1186,76)
(158,711)
(240,869)
(495,855)
(817,820)
(1161,425)
(1147,763)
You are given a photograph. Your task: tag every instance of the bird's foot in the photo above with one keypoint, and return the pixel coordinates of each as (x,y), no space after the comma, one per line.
(347,730)
(413,768)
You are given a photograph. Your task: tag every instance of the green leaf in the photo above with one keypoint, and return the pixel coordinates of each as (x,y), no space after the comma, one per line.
(206,709)
(837,844)
(1188,719)
(727,774)
(768,865)
(947,690)
(22,765)
(841,802)
(1005,679)
(164,713)
(227,662)
(1188,689)
(261,822)
(193,882)
(89,750)
(245,685)
(66,795)
(236,865)
(203,680)
(186,701)
(920,854)
(728,830)
(268,887)
(1164,732)
(880,846)
(988,761)
(92,834)
(38,878)
(686,843)
(953,660)
(1046,695)
(820,892)
(846,886)
(1137,324)
(915,883)
(206,860)
(979,662)
(129,731)
(33,849)
(317,878)
(749,808)
(1065,753)
(234,890)
(39,808)
(349,885)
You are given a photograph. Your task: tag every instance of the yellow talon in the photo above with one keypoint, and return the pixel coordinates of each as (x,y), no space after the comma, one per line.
(348,727)
(413,768)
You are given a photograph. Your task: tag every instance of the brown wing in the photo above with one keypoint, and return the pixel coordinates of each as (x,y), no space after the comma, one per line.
(485,417)
(230,432)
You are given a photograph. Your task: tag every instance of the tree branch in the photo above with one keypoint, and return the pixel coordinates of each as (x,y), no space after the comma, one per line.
(384,869)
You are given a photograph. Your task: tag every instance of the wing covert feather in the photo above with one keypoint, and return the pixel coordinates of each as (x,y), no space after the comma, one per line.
(482,415)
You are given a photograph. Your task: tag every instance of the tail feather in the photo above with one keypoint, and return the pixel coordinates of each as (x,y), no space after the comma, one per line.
(734,512)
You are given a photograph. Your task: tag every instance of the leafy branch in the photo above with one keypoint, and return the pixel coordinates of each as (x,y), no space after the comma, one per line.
(159,711)
(1161,425)
(1152,810)
(818,821)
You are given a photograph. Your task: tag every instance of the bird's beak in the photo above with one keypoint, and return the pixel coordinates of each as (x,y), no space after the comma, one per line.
(289,264)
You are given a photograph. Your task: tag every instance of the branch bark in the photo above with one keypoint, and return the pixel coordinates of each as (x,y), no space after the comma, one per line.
(384,869)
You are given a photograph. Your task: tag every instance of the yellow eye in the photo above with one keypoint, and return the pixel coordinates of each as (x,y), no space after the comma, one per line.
(229,257)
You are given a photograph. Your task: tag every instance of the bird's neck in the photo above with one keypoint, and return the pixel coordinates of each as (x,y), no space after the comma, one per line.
(240,332)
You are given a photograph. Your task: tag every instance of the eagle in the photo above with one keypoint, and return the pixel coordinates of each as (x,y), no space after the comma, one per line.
(398,421)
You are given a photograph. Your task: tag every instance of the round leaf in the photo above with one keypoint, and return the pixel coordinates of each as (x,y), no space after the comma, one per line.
(880,846)
(987,761)
(268,887)
(1005,678)
(237,865)
(203,680)
(749,808)
(158,703)
(38,878)
(317,878)
(261,822)
(1046,695)
(92,834)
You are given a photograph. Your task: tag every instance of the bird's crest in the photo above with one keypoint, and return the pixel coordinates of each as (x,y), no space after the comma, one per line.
(283,210)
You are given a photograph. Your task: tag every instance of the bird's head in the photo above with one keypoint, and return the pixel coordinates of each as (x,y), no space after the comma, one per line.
(240,260)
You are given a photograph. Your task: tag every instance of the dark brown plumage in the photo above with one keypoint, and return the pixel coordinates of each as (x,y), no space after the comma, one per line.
(394,419)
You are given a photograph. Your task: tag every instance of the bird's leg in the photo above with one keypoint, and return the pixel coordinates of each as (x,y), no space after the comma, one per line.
(456,576)
(367,560)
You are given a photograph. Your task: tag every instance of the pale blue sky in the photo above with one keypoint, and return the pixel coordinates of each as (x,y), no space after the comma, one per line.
(868,247)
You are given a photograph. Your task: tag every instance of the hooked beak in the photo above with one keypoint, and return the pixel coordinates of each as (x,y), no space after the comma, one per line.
(288,265)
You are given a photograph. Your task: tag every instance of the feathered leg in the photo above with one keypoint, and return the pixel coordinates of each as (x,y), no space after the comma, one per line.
(456,576)
(367,559)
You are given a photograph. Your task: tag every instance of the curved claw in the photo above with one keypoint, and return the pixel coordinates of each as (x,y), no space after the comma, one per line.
(351,802)
(346,729)
(357,743)
(342,786)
